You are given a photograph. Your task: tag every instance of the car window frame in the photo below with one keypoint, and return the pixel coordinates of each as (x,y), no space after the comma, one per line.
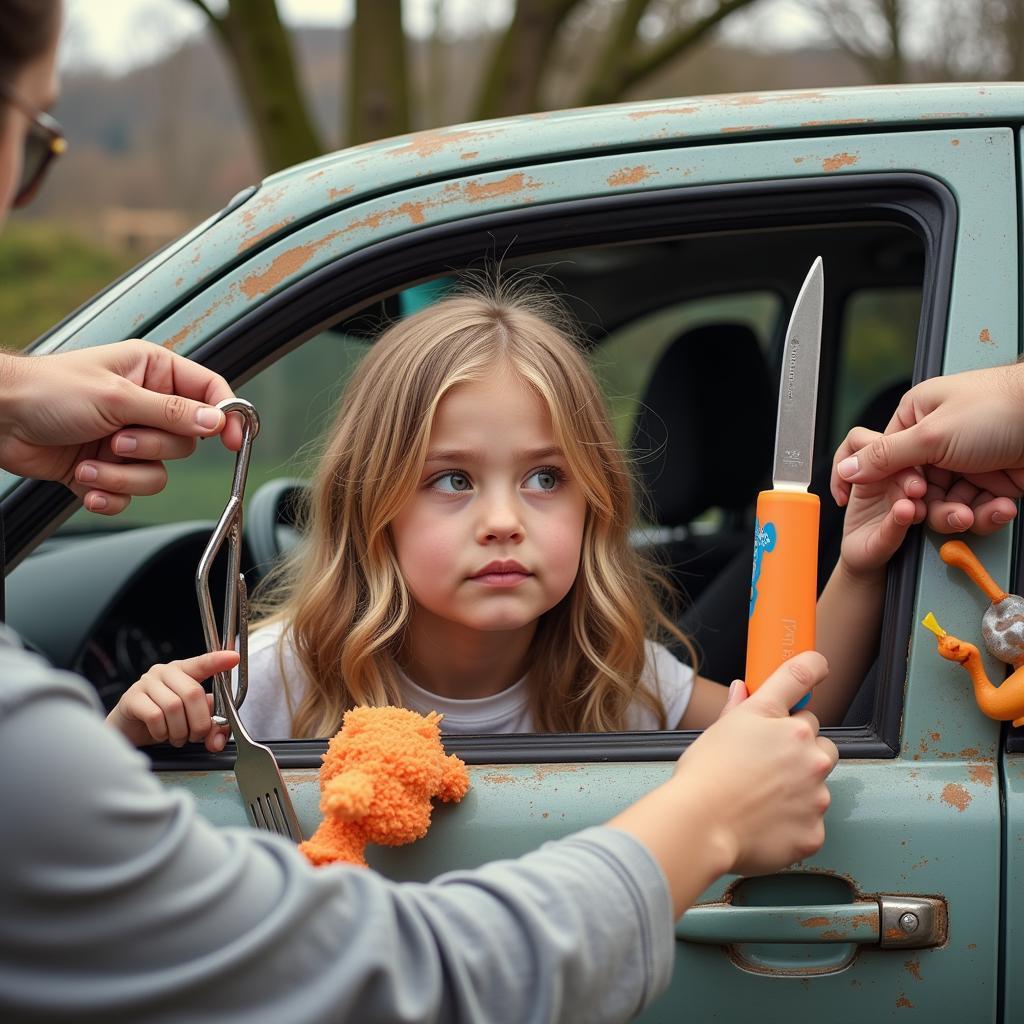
(312,304)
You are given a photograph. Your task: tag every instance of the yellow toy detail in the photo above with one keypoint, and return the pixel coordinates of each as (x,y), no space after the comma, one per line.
(1003,633)
(377,780)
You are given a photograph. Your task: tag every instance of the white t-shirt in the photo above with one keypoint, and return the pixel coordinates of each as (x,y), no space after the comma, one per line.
(265,710)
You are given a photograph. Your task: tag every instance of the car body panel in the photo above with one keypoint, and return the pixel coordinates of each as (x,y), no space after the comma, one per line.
(926,822)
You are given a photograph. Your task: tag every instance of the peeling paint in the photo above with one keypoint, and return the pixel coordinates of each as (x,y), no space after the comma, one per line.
(980,773)
(985,337)
(835,123)
(914,968)
(499,778)
(903,1003)
(840,160)
(732,129)
(507,186)
(470,154)
(337,193)
(630,176)
(193,325)
(970,752)
(638,115)
(424,144)
(956,796)
(252,240)
(814,922)
(288,263)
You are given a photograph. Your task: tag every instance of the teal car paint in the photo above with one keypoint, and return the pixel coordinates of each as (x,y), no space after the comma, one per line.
(937,817)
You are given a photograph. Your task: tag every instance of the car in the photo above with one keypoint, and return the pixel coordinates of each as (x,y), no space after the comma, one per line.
(679,232)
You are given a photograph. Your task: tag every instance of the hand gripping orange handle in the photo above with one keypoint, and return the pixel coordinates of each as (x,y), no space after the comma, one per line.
(784,583)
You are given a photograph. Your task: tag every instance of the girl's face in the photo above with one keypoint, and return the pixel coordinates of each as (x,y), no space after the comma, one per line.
(491,538)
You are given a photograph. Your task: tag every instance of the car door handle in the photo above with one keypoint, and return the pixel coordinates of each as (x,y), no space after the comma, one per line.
(889,922)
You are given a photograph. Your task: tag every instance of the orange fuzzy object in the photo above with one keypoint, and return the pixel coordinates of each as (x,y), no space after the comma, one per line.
(378,776)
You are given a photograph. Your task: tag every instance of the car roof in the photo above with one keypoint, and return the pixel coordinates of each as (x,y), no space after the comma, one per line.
(293,198)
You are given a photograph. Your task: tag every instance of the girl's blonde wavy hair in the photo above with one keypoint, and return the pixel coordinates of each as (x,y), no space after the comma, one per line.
(341,596)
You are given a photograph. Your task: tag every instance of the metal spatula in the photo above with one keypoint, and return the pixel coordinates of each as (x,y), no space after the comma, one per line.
(259,779)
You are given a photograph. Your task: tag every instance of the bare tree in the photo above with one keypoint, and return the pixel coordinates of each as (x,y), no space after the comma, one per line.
(259,51)
(870,31)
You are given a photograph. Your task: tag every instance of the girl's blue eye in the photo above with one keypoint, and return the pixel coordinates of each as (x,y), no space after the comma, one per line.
(545,479)
(452,483)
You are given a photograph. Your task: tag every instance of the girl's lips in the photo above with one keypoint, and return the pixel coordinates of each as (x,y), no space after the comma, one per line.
(501,579)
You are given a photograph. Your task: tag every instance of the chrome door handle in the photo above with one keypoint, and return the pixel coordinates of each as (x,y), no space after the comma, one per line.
(889,922)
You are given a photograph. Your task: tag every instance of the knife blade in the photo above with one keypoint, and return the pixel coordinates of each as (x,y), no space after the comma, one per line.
(784,577)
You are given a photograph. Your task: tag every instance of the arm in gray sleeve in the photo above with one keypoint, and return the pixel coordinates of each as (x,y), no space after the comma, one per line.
(117,902)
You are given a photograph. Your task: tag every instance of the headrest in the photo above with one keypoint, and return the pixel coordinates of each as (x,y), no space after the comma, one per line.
(703,436)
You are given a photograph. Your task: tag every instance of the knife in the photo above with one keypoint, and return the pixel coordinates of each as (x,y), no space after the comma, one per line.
(784,580)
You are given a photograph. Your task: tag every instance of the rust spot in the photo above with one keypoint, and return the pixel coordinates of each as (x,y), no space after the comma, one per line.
(970,752)
(836,121)
(814,922)
(834,163)
(288,263)
(985,337)
(747,128)
(980,773)
(914,968)
(895,933)
(509,185)
(972,945)
(260,202)
(252,240)
(178,282)
(470,154)
(639,115)
(499,778)
(337,193)
(834,936)
(903,1003)
(193,325)
(864,919)
(630,176)
(956,796)
(542,771)
(545,814)
(954,142)
(314,175)
(936,736)
(425,144)
(920,864)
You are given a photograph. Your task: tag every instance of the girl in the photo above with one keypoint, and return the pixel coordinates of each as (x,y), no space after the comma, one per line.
(468,552)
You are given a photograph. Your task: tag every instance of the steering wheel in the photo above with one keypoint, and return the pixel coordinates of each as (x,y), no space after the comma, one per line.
(274,520)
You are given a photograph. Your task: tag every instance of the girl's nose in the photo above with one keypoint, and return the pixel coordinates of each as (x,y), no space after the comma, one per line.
(499,521)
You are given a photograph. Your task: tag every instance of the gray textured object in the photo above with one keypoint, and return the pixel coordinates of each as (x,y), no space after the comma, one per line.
(1002,628)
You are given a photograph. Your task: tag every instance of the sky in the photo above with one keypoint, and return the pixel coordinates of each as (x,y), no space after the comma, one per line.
(118,35)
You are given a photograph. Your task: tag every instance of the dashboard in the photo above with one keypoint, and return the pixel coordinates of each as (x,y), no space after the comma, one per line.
(110,606)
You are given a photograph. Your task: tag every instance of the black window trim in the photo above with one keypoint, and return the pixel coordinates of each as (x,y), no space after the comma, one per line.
(311,305)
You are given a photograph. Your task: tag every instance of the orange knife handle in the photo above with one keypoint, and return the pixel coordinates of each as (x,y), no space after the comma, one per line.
(784,582)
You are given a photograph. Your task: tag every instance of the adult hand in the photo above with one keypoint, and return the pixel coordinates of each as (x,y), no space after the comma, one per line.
(966,432)
(768,813)
(64,417)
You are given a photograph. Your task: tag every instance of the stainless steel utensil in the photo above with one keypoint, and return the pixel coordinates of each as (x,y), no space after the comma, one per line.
(256,771)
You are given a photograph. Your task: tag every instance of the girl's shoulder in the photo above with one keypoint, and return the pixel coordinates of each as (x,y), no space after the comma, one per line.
(668,679)
(265,712)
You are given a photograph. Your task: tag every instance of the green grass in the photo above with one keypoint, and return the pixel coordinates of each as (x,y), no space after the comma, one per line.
(46,271)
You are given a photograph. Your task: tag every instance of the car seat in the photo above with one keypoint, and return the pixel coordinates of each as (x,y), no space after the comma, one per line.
(717,619)
(703,440)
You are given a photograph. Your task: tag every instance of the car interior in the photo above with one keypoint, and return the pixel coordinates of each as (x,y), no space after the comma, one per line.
(685,335)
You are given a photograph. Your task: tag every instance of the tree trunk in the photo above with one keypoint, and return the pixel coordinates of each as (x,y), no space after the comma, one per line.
(261,56)
(623,63)
(378,104)
(512,82)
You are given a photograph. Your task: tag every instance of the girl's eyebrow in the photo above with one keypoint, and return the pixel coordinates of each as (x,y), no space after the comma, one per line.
(465,455)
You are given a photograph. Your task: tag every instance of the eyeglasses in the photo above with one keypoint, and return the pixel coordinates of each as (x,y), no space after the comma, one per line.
(44,140)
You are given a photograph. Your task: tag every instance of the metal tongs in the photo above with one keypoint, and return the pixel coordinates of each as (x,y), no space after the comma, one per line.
(236,598)
(256,771)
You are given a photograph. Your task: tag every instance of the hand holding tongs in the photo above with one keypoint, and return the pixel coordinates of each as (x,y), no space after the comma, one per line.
(236,603)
